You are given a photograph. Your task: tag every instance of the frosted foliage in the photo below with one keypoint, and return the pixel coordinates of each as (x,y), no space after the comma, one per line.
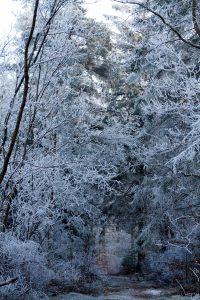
(167,72)
(104,127)
(24,261)
(64,155)
(59,169)
(163,201)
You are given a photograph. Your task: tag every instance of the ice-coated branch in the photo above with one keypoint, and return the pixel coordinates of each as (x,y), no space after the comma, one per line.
(164,21)
(7,282)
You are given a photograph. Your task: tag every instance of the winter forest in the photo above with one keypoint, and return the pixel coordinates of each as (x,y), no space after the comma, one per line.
(100,151)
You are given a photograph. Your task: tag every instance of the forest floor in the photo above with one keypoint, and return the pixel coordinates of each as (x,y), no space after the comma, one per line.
(128,288)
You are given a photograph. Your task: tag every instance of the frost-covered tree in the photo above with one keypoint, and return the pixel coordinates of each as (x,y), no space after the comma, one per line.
(97,127)
(165,64)
(55,167)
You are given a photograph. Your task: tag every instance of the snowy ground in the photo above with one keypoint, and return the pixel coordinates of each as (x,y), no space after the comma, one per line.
(74,296)
(123,288)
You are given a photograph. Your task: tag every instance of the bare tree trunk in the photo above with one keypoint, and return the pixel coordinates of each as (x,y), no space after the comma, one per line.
(194,17)
(24,99)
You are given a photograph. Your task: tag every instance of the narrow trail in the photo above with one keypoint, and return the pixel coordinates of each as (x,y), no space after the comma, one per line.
(127,288)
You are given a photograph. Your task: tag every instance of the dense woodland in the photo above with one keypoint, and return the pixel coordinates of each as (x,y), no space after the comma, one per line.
(99,127)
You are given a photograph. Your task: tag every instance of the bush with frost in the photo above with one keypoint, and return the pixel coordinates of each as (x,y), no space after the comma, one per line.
(25,261)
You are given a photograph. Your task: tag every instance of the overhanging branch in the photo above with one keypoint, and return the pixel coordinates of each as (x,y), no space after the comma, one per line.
(164,21)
